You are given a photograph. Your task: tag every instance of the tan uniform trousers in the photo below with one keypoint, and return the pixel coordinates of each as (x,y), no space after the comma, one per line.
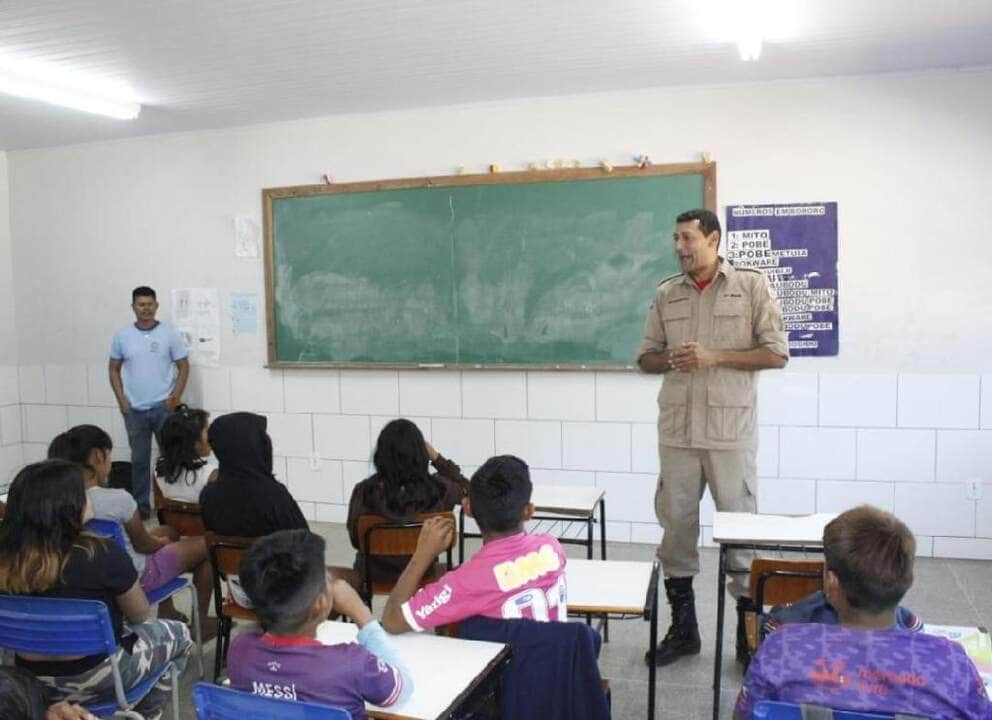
(685,473)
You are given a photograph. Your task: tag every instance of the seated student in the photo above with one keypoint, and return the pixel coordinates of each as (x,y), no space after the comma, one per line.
(403,487)
(513,575)
(245,499)
(158,555)
(44,550)
(865,664)
(284,575)
(23,697)
(182,470)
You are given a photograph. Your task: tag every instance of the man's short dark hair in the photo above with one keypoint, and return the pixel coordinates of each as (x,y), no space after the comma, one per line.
(871,552)
(707,219)
(283,573)
(499,492)
(142,291)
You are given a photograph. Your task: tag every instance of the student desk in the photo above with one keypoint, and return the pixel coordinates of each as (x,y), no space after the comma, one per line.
(619,588)
(565,504)
(446,671)
(748,531)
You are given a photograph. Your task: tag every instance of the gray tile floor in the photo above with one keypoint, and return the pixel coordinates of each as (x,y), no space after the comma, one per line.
(945,591)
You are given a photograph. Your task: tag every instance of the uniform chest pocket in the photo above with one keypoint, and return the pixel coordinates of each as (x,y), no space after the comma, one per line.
(731,325)
(677,318)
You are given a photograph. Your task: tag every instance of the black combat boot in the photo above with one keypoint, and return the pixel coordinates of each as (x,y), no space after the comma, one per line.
(682,637)
(744,606)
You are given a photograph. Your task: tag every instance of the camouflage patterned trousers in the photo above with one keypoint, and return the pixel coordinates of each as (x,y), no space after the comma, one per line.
(159,642)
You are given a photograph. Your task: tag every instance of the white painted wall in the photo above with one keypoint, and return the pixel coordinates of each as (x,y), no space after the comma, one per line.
(899,419)
(10,417)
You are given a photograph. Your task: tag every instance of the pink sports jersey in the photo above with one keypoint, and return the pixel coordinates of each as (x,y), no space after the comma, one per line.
(519,576)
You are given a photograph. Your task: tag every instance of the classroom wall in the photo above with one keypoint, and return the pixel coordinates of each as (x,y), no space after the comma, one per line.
(10,414)
(900,419)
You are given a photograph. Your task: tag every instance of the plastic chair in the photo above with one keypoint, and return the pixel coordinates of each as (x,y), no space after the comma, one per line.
(61,626)
(381,538)
(213,702)
(767,710)
(225,553)
(114,530)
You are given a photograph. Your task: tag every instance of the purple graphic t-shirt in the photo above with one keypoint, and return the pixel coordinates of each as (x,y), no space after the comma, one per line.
(296,668)
(885,671)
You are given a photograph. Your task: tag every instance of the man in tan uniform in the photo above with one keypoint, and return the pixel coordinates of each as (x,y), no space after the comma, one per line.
(708,330)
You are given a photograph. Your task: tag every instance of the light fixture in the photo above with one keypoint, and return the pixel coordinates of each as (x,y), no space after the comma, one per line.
(71,90)
(749,46)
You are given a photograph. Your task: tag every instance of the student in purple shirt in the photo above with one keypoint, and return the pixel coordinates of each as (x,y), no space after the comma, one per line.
(284,575)
(867,663)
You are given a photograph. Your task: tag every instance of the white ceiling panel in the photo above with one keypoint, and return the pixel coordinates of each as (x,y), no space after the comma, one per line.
(217,63)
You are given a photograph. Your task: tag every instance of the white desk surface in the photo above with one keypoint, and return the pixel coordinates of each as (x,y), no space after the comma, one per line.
(566,499)
(442,667)
(616,586)
(772,529)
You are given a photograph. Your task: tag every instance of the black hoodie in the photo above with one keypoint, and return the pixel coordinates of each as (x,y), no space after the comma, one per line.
(246,499)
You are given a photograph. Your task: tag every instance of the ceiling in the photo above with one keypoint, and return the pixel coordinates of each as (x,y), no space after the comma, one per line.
(198,64)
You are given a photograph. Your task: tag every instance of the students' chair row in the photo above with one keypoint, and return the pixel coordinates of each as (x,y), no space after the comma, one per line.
(114,530)
(60,626)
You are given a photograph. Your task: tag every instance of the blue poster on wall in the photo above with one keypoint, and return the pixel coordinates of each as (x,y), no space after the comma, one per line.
(796,246)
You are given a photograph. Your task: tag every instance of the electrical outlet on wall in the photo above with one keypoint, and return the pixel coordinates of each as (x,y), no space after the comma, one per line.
(314,461)
(973,488)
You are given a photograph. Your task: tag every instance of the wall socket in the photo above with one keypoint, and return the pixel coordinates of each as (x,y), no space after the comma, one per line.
(973,489)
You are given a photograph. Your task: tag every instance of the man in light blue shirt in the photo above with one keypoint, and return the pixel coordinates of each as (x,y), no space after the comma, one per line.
(155,367)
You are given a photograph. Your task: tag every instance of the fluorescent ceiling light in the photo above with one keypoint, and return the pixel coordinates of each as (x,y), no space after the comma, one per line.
(71,90)
(749,23)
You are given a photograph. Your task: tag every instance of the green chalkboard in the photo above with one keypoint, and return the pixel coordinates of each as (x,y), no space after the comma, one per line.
(552,269)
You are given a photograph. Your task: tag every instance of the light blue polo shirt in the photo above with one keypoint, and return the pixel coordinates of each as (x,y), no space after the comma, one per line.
(149,362)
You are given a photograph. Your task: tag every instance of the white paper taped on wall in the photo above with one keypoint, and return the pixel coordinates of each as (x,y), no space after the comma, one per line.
(196,315)
(247,238)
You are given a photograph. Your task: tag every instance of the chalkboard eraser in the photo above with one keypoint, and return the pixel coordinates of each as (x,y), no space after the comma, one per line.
(430,365)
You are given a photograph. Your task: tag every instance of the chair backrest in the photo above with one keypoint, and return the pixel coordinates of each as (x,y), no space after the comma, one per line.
(185,518)
(55,626)
(109,529)
(767,710)
(214,702)
(378,536)
(225,552)
(779,582)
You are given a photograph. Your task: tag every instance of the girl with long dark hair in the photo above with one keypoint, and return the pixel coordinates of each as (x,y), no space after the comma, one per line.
(403,486)
(158,555)
(183,468)
(44,550)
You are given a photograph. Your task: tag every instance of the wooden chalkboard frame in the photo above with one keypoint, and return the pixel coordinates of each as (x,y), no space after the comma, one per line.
(706,169)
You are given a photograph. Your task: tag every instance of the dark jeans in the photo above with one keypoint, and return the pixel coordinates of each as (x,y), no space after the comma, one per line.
(141,425)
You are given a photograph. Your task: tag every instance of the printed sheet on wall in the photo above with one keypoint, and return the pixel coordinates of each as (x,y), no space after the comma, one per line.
(796,247)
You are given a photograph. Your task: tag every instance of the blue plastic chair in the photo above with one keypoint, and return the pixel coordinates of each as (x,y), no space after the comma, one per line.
(114,530)
(214,702)
(61,626)
(768,710)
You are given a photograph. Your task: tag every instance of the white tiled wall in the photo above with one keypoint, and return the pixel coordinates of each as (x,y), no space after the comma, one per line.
(907,443)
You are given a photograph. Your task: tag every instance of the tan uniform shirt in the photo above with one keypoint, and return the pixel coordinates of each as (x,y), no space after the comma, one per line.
(713,408)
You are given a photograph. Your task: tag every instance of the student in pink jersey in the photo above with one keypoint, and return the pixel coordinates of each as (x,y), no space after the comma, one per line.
(514,575)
